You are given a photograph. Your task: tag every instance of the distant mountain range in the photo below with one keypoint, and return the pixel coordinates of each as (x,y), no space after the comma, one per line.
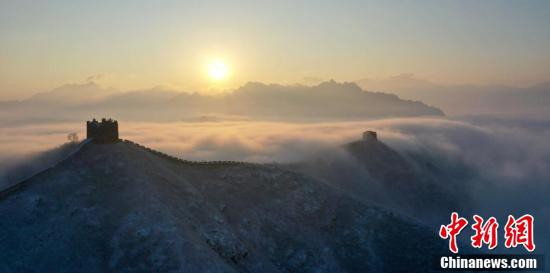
(399,96)
(469,99)
(326,101)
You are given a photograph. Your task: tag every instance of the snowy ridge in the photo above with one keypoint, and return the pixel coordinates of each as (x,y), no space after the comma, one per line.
(19,185)
(121,208)
(184,161)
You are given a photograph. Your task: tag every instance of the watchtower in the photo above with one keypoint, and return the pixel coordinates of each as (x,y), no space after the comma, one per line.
(105,131)
(370,136)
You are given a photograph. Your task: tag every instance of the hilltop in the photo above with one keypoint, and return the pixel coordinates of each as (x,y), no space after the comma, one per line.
(121,207)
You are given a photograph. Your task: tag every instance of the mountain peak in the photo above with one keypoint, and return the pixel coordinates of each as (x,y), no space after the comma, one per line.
(125,208)
(74,93)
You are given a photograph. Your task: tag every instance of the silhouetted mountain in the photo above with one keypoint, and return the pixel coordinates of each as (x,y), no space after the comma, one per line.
(122,208)
(415,183)
(409,185)
(143,98)
(326,101)
(73,94)
(468,99)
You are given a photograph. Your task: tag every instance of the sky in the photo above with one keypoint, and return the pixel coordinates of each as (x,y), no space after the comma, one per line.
(137,44)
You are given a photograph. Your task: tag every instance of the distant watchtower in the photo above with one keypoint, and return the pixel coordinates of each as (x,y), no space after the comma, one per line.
(105,131)
(370,136)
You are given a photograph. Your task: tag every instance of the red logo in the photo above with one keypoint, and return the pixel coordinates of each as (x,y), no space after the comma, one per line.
(520,232)
(485,233)
(516,232)
(452,230)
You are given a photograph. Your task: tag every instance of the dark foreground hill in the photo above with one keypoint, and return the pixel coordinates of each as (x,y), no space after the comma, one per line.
(121,208)
(418,183)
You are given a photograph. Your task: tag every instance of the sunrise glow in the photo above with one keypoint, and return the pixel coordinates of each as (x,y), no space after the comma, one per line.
(218,70)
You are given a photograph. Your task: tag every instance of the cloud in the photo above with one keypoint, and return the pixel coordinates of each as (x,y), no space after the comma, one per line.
(94,78)
(511,160)
(18,141)
(510,152)
(26,150)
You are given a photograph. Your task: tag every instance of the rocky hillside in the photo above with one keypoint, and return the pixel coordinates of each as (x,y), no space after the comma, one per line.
(416,184)
(123,208)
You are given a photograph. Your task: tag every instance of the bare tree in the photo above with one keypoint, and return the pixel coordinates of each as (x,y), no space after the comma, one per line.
(72,137)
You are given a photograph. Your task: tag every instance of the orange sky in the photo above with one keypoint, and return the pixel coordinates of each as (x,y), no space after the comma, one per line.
(141,44)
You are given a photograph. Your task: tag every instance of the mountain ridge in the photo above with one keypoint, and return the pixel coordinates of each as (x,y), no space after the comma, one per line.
(329,100)
(128,209)
(467,99)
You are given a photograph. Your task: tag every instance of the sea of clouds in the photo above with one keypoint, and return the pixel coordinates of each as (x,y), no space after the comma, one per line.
(511,158)
(513,153)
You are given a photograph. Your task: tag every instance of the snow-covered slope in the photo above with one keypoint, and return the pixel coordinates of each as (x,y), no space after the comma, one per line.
(121,208)
(413,183)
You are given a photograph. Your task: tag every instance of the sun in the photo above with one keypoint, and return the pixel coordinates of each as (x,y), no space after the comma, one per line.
(218,70)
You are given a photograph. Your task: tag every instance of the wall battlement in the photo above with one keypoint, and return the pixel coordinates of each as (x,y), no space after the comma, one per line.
(104,131)
(370,136)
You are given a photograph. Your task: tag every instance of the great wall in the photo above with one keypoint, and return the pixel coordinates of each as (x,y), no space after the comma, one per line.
(106,132)
(189,162)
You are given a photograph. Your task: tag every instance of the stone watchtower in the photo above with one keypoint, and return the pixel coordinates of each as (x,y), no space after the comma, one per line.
(105,131)
(370,136)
